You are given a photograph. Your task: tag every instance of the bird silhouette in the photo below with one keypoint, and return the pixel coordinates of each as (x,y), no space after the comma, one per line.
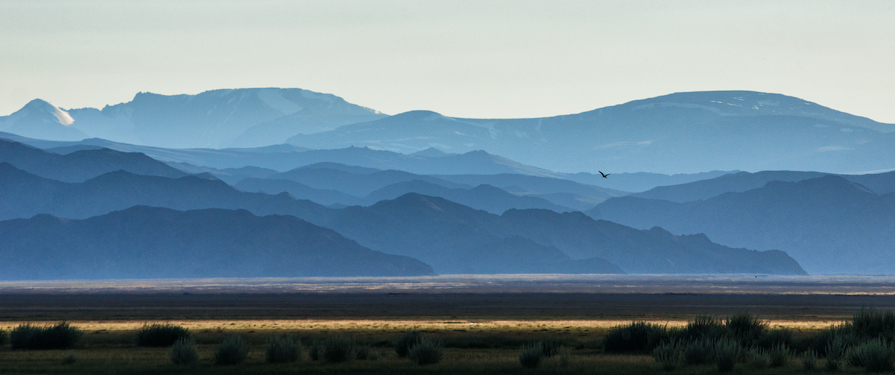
(604,174)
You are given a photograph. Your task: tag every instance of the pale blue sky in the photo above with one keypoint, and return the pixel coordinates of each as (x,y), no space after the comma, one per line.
(460,58)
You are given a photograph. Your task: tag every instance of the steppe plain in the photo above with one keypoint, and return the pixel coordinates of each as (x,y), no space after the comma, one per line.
(482,320)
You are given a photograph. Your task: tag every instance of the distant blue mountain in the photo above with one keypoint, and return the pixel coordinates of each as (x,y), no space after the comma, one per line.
(829,224)
(144,242)
(217,118)
(40,119)
(880,183)
(80,165)
(457,239)
(678,133)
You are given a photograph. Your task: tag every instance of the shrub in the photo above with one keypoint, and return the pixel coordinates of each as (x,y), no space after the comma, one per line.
(774,337)
(704,327)
(426,352)
(698,352)
(60,336)
(184,351)
(564,356)
(233,350)
(779,355)
(746,328)
(3,337)
(338,349)
(870,324)
(835,352)
(874,355)
(550,346)
(636,337)
(758,359)
(365,353)
(314,351)
(727,353)
(531,355)
(668,355)
(158,335)
(809,360)
(843,332)
(407,341)
(69,359)
(283,349)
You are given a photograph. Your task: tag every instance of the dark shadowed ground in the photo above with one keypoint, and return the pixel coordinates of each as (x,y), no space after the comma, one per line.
(449,297)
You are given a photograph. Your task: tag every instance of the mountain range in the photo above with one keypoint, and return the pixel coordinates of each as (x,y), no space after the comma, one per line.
(450,237)
(670,134)
(650,186)
(436,230)
(217,118)
(829,224)
(674,133)
(145,242)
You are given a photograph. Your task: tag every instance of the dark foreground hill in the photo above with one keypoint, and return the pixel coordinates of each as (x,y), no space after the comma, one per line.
(145,242)
(80,165)
(440,232)
(828,224)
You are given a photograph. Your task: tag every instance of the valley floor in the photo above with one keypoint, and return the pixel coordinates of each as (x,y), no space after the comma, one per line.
(482,320)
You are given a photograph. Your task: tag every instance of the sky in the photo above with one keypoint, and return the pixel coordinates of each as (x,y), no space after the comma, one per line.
(480,58)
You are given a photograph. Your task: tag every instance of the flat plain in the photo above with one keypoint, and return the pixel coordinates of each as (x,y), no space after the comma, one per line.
(482,320)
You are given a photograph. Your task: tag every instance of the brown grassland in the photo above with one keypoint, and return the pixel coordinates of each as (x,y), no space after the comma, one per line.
(483,321)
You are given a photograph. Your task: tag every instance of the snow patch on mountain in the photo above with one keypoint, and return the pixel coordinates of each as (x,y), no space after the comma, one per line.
(274,99)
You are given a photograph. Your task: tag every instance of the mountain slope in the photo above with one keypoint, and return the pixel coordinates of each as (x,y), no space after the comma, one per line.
(80,165)
(23,195)
(880,183)
(356,184)
(643,251)
(448,237)
(144,242)
(743,130)
(301,191)
(455,239)
(558,191)
(828,224)
(482,197)
(217,118)
(40,119)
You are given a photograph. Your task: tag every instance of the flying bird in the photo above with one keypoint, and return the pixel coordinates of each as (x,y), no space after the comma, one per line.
(604,174)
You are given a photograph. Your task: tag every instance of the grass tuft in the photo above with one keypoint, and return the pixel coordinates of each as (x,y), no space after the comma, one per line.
(407,341)
(159,335)
(874,355)
(282,349)
(698,352)
(184,351)
(531,355)
(746,328)
(29,337)
(668,355)
(727,353)
(809,360)
(427,352)
(338,349)
(635,337)
(232,351)
(779,355)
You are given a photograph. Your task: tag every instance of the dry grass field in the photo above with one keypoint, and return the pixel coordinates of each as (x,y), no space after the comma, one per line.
(483,321)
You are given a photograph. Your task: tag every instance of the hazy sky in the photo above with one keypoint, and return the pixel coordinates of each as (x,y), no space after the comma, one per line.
(460,58)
